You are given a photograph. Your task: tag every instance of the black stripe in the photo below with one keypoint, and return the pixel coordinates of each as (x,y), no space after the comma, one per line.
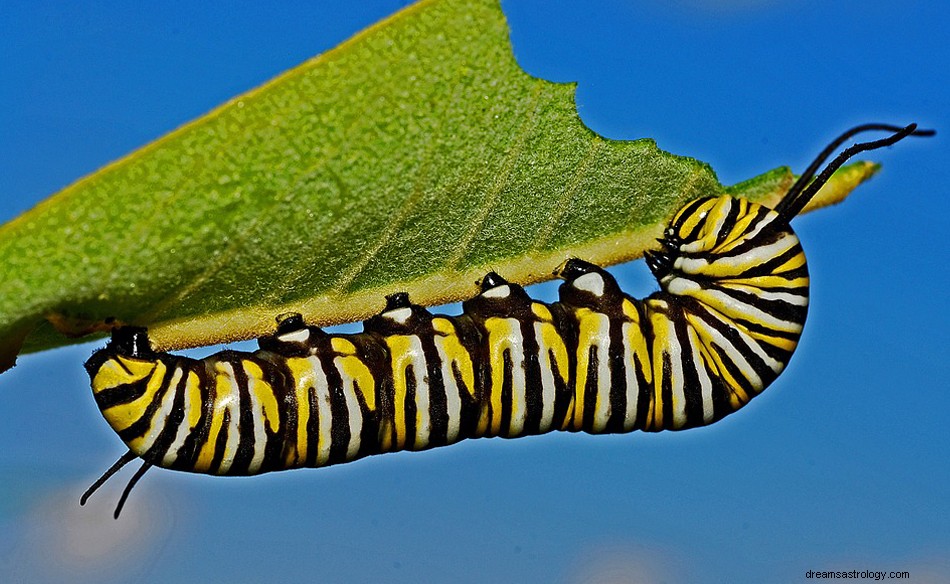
(732,335)
(507,393)
(438,403)
(685,214)
(689,362)
(732,215)
(777,308)
(246,406)
(188,454)
(313,424)
(534,386)
(172,423)
(474,335)
(468,413)
(733,370)
(562,393)
(618,374)
(121,394)
(590,387)
(410,408)
(666,394)
(375,356)
(141,426)
(279,444)
(277,377)
(339,415)
(565,323)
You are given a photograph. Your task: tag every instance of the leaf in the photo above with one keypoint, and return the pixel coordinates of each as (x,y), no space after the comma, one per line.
(415,156)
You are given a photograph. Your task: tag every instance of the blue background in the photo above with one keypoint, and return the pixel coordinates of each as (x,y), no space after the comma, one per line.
(841,465)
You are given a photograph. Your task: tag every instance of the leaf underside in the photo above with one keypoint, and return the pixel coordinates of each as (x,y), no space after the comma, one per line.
(415,156)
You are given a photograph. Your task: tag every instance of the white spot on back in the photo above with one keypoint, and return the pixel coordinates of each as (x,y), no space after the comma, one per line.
(400,315)
(497,292)
(298,336)
(590,282)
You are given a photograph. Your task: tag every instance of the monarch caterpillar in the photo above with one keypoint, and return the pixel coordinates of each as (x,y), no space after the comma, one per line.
(731,306)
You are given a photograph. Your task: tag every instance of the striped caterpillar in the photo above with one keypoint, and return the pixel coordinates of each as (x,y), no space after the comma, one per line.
(731,306)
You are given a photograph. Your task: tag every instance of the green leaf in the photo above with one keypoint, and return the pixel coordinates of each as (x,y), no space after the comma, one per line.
(415,156)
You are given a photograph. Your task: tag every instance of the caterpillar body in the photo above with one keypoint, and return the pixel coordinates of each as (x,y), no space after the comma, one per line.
(731,306)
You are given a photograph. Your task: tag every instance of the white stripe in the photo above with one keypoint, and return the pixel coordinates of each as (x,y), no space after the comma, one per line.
(730,305)
(602,342)
(171,455)
(787,297)
(518,382)
(232,404)
(257,417)
(321,391)
(421,374)
(548,386)
(735,355)
(633,388)
(705,382)
(453,400)
(677,377)
(740,262)
(160,417)
(353,412)
(757,255)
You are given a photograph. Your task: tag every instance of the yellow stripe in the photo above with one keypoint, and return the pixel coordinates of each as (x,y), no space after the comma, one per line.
(120,370)
(793,263)
(350,364)
(223,396)
(662,337)
(636,341)
(342,346)
(550,340)
(355,369)
(776,283)
(593,327)
(456,353)
(500,334)
(262,393)
(122,416)
(399,349)
(693,219)
(301,369)
(737,395)
(193,395)
(737,235)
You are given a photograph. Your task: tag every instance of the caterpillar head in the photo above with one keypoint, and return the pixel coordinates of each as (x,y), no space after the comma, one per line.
(722,238)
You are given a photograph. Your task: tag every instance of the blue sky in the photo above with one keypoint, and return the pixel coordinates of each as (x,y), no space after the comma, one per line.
(842,464)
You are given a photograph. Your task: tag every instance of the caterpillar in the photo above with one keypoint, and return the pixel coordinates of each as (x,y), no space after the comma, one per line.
(731,306)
